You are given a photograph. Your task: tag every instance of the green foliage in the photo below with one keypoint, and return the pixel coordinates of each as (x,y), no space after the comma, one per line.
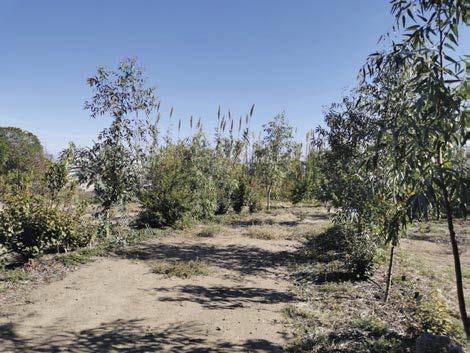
(239,197)
(15,276)
(373,325)
(20,151)
(117,241)
(45,215)
(419,96)
(430,314)
(223,171)
(253,201)
(396,146)
(355,250)
(273,154)
(245,194)
(74,259)
(30,225)
(380,345)
(110,170)
(180,185)
(113,166)
(305,175)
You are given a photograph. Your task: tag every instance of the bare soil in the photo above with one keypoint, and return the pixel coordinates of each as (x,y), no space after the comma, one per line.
(117,304)
(258,296)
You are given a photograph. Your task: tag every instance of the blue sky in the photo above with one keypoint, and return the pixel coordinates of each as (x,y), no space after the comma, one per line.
(295,56)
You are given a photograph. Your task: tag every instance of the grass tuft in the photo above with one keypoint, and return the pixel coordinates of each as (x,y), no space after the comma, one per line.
(181,269)
(15,276)
(373,325)
(267,232)
(209,231)
(82,256)
(116,242)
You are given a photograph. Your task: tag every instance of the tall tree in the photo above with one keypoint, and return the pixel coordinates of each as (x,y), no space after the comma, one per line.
(273,153)
(430,135)
(113,164)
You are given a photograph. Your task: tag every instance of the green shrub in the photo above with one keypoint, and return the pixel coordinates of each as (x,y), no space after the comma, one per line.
(430,314)
(253,200)
(239,197)
(298,192)
(355,251)
(224,186)
(20,152)
(360,258)
(31,225)
(380,345)
(372,325)
(179,187)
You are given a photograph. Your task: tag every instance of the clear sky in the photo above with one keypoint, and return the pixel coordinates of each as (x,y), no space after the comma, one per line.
(283,55)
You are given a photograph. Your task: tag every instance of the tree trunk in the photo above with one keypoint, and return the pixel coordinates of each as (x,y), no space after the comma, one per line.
(106,223)
(389,273)
(268,198)
(457,265)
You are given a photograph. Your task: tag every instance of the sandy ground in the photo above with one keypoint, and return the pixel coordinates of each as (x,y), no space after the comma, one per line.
(118,305)
(439,259)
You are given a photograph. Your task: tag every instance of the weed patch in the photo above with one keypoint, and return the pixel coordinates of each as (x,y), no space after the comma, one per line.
(15,276)
(181,269)
(129,238)
(265,232)
(373,325)
(209,231)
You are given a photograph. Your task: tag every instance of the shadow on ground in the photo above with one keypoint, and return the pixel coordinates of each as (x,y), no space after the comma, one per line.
(222,297)
(321,260)
(130,337)
(247,260)
(309,218)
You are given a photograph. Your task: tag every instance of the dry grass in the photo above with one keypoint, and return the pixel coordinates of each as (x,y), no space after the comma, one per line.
(340,315)
(209,231)
(267,232)
(181,269)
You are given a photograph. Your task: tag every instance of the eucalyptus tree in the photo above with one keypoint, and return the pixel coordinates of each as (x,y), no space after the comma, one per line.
(273,153)
(431,127)
(389,101)
(351,184)
(344,142)
(113,165)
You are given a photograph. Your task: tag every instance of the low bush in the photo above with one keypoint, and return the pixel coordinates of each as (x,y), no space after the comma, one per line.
(31,225)
(373,325)
(178,187)
(429,314)
(254,201)
(356,251)
(239,197)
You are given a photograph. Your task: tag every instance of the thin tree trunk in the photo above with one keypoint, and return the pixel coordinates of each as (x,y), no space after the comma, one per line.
(389,273)
(455,249)
(457,264)
(106,225)
(268,198)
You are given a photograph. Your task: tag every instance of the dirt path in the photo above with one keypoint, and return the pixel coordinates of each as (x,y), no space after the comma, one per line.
(118,305)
